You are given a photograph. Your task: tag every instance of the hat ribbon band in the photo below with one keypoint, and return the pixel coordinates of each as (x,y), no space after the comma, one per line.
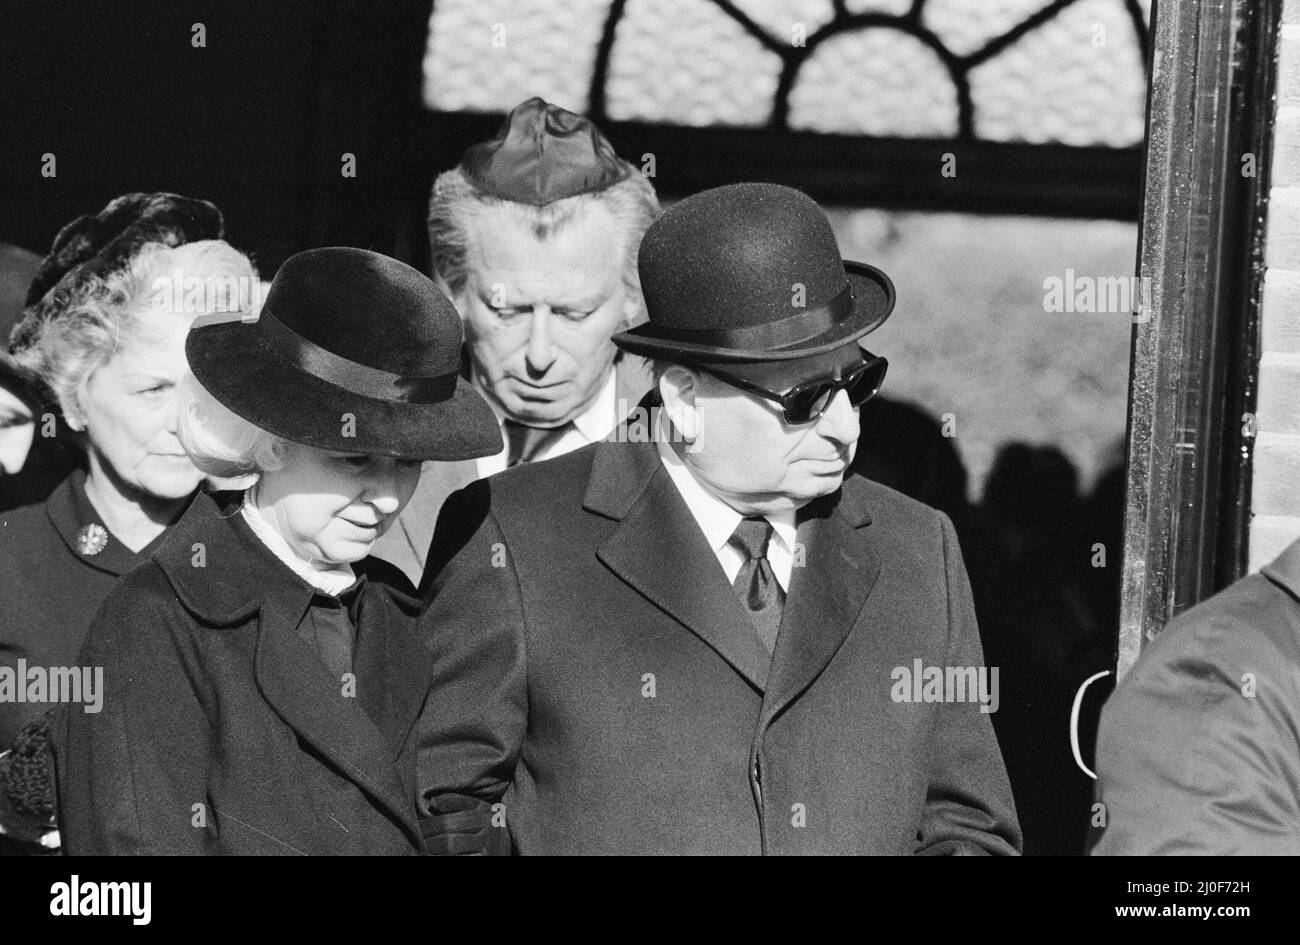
(350,375)
(778,334)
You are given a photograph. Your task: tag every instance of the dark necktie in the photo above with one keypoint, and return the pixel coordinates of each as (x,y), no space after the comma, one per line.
(756,584)
(524,443)
(331,628)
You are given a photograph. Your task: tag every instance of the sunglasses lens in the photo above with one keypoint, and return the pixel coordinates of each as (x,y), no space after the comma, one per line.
(808,402)
(867,384)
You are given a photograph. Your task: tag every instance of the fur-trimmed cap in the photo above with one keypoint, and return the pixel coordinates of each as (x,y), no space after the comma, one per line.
(96,246)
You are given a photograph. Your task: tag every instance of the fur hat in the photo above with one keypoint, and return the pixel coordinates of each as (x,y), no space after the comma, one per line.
(92,247)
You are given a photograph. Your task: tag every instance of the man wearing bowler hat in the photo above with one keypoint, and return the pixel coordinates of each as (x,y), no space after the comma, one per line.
(704,644)
(534,236)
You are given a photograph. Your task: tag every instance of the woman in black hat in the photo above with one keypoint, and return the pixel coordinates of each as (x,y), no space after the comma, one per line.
(262,677)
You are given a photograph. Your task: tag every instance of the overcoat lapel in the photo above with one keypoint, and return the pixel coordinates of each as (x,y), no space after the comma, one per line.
(660,551)
(241,581)
(302,691)
(393,668)
(826,594)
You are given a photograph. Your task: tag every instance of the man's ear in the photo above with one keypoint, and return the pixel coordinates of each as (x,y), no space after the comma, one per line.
(679,389)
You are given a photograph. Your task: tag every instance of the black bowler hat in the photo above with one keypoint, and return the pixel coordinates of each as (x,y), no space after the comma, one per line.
(751,272)
(348,342)
(543,153)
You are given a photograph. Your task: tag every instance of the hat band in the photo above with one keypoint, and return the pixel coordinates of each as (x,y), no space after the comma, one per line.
(778,334)
(350,375)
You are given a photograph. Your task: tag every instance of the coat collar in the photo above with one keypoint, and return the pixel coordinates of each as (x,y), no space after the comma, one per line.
(70,512)
(659,549)
(238,578)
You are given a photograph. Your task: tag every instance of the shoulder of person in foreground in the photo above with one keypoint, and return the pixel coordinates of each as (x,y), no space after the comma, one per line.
(1197,752)
(125,759)
(476,714)
(534,494)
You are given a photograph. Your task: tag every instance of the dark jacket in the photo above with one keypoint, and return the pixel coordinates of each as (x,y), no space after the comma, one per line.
(407,542)
(1199,751)
(222,731)
(595,673)
(50,586)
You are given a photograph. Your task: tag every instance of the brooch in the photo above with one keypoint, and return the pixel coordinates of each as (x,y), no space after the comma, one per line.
(92,539)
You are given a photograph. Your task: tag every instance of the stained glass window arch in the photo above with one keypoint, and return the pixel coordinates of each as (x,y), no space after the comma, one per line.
(999,78)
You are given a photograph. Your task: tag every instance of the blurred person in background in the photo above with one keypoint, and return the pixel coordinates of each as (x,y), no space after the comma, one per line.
(534,236)
(32,460)
(105,336)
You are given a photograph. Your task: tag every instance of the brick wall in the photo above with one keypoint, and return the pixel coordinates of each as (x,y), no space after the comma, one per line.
(1276,477)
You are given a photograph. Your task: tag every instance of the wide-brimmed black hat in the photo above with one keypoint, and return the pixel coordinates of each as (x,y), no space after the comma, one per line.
(352,351)
(751,272)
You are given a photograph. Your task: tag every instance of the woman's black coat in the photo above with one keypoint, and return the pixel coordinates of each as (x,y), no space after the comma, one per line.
(221,729)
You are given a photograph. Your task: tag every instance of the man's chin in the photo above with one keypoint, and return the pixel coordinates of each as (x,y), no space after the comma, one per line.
(541,414)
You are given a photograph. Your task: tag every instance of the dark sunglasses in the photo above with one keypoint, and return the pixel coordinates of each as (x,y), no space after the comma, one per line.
(806,402)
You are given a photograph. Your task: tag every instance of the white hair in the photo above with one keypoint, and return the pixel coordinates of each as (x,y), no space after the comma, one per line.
(220,442)
(105,313)
(455,205)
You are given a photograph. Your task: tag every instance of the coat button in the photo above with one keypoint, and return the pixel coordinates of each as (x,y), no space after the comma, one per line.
(92,539)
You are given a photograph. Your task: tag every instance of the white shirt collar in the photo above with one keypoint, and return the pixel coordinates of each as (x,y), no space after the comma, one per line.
(332,580)
(601,415)
(716,519)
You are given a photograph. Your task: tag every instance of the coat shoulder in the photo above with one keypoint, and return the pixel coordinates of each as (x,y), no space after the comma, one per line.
(26,536)
(891,509)
(1251,622)
(542,488)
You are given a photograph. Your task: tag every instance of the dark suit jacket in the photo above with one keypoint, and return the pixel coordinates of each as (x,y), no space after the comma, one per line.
(221,730)
(595,672)
(49,588)
(1198,751)
(407,542)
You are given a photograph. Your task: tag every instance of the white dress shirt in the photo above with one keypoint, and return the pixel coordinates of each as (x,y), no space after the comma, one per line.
(591,426)
(329,579)
(718,521)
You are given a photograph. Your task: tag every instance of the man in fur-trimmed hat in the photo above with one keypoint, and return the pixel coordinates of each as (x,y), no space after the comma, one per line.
(721,641)
(534,236)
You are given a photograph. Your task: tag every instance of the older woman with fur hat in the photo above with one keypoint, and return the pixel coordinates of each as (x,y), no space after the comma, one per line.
(262,676)
(103,335)
(99,352)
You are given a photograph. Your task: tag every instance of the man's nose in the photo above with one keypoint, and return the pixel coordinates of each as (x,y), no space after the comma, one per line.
(541,352)
(840,421)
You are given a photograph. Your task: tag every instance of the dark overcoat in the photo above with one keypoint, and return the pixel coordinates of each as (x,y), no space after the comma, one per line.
(51,583)
(221,730)
(595,673)
(407,543)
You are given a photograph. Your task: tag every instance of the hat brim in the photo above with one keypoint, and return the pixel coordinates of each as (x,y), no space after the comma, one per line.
(239,369)
(873,302)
